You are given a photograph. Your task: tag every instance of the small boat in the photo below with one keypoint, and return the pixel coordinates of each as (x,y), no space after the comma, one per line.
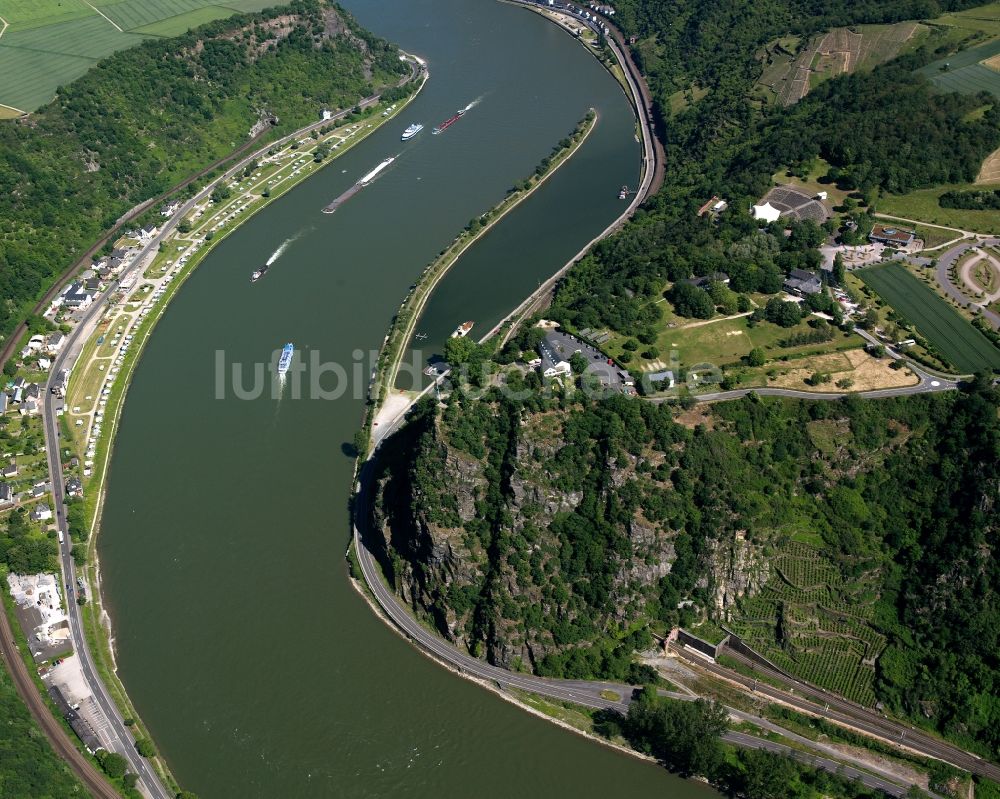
(286,359)
(257,274)
(623,193)
(412,131)
(463,330)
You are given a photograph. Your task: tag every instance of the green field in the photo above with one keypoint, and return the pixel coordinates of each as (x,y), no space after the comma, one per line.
(963,72)
(924,205)
(50,42)
(937,321)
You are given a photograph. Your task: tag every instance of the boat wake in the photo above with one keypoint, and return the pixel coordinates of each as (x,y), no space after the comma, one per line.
(284,246)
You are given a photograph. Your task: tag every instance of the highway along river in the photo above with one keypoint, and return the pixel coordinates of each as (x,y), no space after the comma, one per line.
(259,670)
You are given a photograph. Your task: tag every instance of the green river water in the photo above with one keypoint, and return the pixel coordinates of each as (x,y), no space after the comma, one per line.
(258,669)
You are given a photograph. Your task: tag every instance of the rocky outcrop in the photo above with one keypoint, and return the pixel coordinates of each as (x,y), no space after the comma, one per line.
(738,569)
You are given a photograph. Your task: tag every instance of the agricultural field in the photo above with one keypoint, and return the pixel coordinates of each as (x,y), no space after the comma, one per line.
(50,42)
(791,69)
(967,71)
(810,621)
(954,337)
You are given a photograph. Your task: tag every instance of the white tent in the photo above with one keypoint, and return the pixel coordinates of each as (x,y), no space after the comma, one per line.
(766,212)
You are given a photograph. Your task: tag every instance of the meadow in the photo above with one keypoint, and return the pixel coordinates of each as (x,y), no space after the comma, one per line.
(47,43)
(955,338)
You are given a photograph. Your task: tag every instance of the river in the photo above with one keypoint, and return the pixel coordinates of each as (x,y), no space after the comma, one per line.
(258,669)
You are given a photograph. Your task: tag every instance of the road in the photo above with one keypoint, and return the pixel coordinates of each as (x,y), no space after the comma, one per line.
(124,742)
(945,262)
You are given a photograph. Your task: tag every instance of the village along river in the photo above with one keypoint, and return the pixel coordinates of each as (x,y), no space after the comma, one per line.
(259,670)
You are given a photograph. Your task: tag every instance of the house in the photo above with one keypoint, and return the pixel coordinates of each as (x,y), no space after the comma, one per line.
(714,206)
(4,400)
(32,391)
(38,489)
(93,285)
(170,208)
(802,282)
(36,342)
(77,297)
(17,395)
(44,364)
(552,349)
(766,213)
(58,386)
(41,513)
(29,407)
(6,494)
(147,232)
(54,342)
(666,376)
(892,236)
(10,470)
(74,488)
(557,369)
(703,281)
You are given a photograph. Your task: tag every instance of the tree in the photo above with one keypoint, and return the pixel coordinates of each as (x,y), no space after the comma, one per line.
(685,735)
(756,357)
(10,368)
(839,273)
(114,764)
(764,775)
(145,747)
(691,301)
(578,363)
(782,313)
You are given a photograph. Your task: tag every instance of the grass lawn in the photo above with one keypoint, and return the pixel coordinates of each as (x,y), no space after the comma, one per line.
(923,206)
(727,340)
(937,321)
(981,18)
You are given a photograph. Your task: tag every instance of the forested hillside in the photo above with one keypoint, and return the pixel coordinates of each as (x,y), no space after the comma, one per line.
(144,118)
(553,534)
(887,129)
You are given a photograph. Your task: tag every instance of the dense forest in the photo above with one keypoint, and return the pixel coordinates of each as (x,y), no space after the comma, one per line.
(887,129)
(28,767)
(551,533)
(144,118)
